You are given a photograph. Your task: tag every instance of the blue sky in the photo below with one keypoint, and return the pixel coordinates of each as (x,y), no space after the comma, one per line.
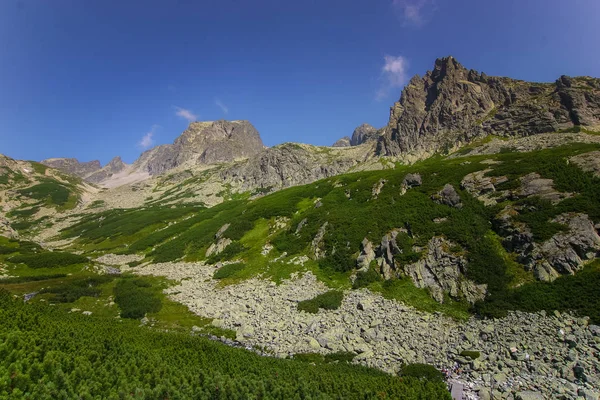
(99,78)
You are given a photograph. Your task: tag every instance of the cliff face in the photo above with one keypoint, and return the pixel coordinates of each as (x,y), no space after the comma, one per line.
(203,143)
(72,166)
(451,106)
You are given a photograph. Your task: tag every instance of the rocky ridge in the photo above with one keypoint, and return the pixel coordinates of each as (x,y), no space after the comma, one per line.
(451,106)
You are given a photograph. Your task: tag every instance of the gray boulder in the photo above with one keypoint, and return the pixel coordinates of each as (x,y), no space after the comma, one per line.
(410,181)
(367,254)
(448,196)
(529,395)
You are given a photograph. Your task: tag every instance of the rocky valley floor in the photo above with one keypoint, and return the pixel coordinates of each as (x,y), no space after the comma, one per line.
(543,354)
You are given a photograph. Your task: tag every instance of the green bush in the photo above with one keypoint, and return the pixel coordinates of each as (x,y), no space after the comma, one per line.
(229,252)
(73,290)
(473,355)
(422,371)
(331,300)
(50,259)
(49,190)
(8,250)
(365,278)
(340,356)
(35,278)
(136,297)
(313,358)
(226,271)
(578,293)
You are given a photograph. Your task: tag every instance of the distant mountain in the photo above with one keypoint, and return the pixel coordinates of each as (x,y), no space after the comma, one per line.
(209,142)
(91,171)
(362,134)
(73,166)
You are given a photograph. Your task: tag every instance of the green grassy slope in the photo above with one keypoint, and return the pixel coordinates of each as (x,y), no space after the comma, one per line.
(346,203)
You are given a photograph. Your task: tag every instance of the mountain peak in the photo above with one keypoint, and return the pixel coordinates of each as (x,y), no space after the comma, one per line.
(452,106)
(203,142)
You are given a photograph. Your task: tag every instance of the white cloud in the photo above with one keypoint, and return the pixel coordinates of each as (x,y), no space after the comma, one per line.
(414,12)
(393,75)
(148,139)
(186,114)
(222,106)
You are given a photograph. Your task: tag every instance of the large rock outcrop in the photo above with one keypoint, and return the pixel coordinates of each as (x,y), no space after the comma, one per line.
(209,142)
(442,271)
(451,106)
(293,164)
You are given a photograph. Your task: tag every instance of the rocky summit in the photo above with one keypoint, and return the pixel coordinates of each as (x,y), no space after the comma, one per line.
(457,247)
(451,106)
(203,143)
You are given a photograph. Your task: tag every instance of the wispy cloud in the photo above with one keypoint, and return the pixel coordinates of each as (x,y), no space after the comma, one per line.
(171,88)
(185,114)
(393,75)
(222,106)
(148,139)
(414,12)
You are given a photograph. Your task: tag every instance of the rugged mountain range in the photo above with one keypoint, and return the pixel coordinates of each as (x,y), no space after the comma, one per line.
(506,228)
(91,171)
(447,108)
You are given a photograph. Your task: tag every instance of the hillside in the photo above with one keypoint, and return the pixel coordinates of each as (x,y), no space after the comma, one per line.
(465,232)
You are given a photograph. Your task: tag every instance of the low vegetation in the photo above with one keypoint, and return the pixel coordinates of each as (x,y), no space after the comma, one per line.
(577,293)
(136,297)
(422,371)
(73,290)
(228,270)
(91,357)
(331,300)
(48,259)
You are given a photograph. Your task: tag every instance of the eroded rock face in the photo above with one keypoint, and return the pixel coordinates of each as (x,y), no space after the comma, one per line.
(448,196)
(362,134)
(481,186)
(534,185)
(343,142)
(115,166)
(441,272)
(72,166)
(203,143)
(410,181)
(292,164)
(567,252)
(451,106)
